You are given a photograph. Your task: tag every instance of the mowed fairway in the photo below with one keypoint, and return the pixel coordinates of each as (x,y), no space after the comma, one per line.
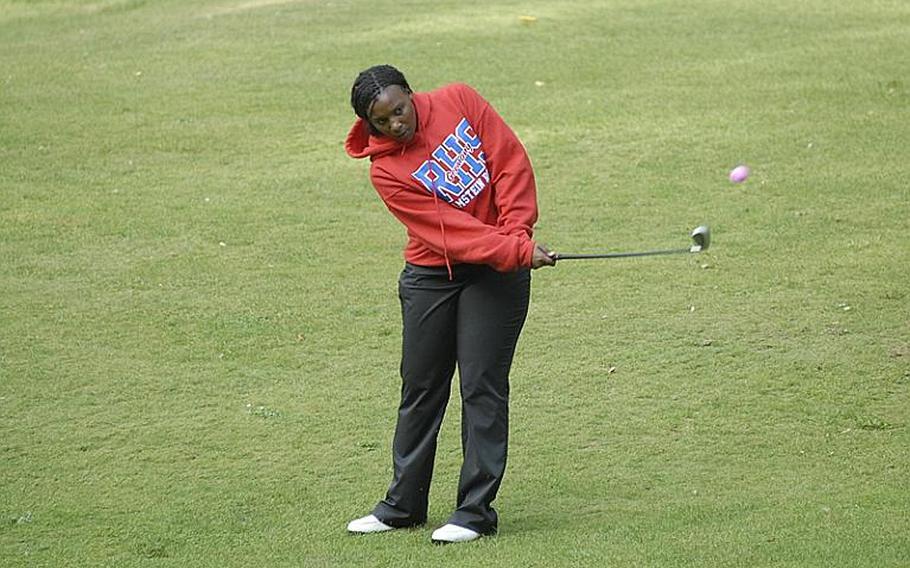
(199,322)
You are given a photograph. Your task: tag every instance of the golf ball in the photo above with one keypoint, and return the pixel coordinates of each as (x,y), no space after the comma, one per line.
(739,174)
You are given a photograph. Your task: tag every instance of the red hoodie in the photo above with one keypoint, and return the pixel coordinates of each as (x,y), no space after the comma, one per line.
(463,185)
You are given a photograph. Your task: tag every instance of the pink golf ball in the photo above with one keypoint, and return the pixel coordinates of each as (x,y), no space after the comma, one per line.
(739,174)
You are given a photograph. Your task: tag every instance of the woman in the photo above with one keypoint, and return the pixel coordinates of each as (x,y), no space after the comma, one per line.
(448,167)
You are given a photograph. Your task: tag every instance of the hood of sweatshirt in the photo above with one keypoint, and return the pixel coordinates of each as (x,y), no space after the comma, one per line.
(360,143)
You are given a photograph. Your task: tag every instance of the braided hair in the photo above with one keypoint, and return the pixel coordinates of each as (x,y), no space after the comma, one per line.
(370,83)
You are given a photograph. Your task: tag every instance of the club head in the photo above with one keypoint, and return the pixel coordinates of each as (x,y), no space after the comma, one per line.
(701,237)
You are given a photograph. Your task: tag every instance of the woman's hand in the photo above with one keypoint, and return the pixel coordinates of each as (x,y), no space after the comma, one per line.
(542,257)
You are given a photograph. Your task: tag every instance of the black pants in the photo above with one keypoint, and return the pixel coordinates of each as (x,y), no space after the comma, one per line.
(473,320)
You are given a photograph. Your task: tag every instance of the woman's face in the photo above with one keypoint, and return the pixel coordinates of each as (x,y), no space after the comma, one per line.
(393,115)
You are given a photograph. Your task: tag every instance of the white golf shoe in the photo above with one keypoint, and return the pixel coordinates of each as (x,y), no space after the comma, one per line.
(368,524)
(453,533)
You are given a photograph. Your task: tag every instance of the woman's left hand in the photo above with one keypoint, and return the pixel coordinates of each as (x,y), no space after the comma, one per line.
(542,257)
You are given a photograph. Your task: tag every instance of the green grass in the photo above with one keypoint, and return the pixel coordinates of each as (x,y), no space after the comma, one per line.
(199,330)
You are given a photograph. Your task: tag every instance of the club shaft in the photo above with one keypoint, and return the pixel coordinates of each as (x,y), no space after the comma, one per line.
(620,254)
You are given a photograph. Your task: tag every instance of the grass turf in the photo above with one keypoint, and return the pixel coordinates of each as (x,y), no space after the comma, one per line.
(199,330)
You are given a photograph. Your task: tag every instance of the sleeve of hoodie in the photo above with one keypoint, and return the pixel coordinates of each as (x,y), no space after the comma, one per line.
(511,174)
(467,239)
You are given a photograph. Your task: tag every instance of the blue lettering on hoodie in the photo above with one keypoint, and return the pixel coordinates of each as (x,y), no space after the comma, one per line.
(457,170)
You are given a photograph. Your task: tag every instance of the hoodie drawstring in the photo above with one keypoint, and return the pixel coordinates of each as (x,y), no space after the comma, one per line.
(442,225)
(442,228)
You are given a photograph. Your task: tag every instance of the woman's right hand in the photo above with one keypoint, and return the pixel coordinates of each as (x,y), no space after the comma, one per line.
(542,257)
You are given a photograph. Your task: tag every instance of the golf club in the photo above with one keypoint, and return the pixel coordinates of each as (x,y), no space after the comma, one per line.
(701,239)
